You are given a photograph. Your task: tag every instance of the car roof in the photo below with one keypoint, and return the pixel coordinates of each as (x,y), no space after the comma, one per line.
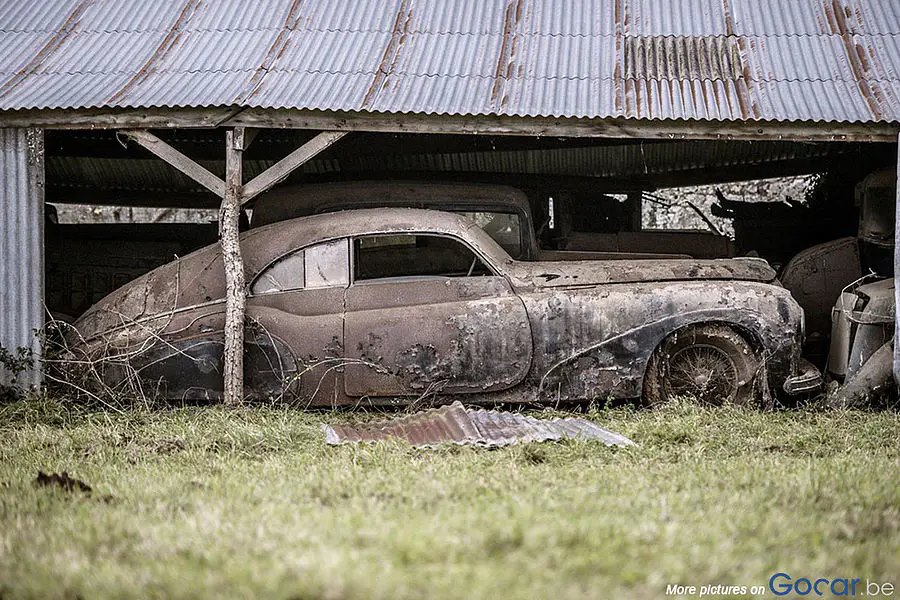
(300,200)
(197,277)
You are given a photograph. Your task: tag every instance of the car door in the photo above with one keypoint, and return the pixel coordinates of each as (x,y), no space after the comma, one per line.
(295,324)
(425,314)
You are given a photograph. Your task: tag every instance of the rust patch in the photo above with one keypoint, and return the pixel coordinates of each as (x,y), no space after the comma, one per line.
(619,71)
(402,23)
(717,98)
(506,59)
(456,424)
(836,17)
(746,102)
(729,20)
(705,93)
(743,85)
(276,50)
(172,38)
(638,98)
(53,44)
(645,65)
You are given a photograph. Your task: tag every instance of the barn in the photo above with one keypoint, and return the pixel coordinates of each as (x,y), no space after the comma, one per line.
(201,103)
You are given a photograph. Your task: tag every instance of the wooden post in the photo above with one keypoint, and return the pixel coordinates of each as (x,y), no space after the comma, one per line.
(234,194)
(235,298)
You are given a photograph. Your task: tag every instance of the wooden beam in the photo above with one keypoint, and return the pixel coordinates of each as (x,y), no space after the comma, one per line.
(57,193)
(114,118)
(667,129)
(280,170)
(235,293)
(608,184)
(178,160)
(449,124)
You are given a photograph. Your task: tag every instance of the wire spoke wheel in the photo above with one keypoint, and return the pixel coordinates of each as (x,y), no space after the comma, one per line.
(709,363)
(703,372)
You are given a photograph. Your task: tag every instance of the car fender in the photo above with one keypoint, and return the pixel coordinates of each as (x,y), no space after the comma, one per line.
(596,343)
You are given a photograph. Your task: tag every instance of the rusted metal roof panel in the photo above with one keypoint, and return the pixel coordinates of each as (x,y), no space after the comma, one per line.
(456,424)
(809,60)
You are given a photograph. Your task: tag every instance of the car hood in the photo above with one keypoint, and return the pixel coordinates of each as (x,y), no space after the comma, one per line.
(562,274)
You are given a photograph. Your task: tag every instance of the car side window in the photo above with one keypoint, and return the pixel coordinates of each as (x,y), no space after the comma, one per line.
(413,256)
(505,228)
(320,266)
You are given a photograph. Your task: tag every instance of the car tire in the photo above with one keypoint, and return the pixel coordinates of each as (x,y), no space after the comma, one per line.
(709,363)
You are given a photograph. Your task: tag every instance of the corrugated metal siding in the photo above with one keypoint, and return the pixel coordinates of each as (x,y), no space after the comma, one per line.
(597,161)
(809,60)
(21,241)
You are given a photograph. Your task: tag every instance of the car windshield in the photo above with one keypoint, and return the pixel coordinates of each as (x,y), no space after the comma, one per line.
(504,227)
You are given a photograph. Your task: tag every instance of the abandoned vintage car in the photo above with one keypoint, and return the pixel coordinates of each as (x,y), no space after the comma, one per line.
(387,305)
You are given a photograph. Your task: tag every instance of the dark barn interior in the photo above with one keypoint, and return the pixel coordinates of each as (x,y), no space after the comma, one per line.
(598,186)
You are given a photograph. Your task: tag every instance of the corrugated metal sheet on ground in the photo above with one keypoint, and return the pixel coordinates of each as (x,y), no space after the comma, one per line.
(803,60)
(459,425)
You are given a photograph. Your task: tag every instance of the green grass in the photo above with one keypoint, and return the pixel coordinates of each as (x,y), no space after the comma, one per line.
(209,502)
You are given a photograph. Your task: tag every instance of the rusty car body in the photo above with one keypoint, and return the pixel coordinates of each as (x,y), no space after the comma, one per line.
(388,305)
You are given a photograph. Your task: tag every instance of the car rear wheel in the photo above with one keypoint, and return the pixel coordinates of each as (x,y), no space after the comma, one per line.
(711,364)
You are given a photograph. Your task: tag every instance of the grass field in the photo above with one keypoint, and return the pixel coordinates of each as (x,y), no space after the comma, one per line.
(209,502)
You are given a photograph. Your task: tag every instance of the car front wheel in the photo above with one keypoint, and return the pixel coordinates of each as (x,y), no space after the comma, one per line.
(710,363)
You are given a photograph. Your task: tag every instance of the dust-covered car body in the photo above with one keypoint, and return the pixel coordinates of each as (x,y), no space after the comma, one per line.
(384,304)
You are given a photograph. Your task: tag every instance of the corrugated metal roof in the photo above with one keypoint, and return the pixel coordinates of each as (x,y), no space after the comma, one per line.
(456,424)
(803,60)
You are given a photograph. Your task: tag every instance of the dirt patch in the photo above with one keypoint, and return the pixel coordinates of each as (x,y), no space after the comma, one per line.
(69,484)
(63,480)
(169,446)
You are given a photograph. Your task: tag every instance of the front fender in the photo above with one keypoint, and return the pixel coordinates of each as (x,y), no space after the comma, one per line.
(596,343)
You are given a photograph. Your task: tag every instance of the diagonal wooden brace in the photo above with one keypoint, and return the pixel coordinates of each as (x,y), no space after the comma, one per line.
(180,161)
(288,164)
(210,181)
